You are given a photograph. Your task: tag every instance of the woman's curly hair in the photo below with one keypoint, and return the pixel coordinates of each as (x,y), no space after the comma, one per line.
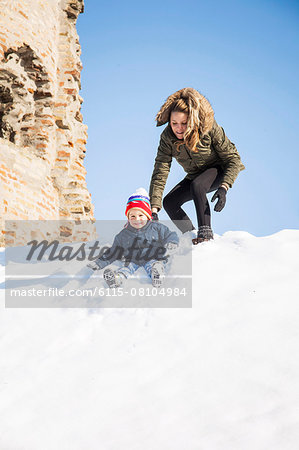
(199,111)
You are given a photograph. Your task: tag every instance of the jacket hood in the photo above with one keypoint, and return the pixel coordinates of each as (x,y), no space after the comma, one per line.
(199,102)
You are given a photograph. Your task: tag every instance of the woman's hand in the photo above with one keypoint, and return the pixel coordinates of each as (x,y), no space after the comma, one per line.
(155,214)
(221,195)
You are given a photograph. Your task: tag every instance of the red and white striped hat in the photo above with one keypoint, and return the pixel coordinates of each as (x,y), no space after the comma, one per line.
(139,200)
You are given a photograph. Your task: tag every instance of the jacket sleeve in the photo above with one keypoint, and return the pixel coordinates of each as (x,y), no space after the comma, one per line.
(111,254)
(160,173)
(227,153)
(167,235)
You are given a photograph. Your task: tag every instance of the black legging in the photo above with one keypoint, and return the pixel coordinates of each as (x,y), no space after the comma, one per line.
(195,190)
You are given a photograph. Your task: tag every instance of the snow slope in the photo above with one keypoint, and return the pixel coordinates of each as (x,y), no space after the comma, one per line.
(222,375)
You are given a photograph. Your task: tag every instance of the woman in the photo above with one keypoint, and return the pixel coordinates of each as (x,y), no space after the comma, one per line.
(210,159)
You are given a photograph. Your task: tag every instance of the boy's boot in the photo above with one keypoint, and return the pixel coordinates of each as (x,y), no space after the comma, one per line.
(113,279)
(157,274)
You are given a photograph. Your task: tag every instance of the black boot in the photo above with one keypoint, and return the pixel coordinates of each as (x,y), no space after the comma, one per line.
(204,233)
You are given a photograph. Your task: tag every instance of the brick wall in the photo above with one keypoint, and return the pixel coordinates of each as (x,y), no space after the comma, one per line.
(42,137)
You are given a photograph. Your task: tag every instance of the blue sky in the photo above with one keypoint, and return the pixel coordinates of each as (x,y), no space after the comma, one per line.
(243,56)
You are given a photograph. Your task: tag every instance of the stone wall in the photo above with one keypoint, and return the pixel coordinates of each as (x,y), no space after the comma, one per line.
(42,137)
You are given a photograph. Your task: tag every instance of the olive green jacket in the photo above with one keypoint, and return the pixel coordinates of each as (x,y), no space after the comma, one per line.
(214,149)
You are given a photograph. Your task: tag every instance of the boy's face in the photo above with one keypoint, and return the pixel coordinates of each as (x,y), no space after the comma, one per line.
(137,219)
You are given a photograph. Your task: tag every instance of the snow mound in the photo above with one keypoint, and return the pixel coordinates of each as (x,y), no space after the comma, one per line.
(222,375)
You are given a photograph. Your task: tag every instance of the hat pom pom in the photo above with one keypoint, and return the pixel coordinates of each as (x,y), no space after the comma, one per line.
(141,191)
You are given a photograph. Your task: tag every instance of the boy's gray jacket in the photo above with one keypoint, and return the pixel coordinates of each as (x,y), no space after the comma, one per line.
(139,246)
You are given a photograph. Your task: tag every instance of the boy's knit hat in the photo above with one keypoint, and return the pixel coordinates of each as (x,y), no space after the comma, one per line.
(139,200)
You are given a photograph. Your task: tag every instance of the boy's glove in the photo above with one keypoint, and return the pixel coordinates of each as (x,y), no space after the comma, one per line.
(171,248)
(155,216)
(221,195)
(93,265)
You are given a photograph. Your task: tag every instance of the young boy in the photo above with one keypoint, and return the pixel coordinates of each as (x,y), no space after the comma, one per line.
(142,243)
